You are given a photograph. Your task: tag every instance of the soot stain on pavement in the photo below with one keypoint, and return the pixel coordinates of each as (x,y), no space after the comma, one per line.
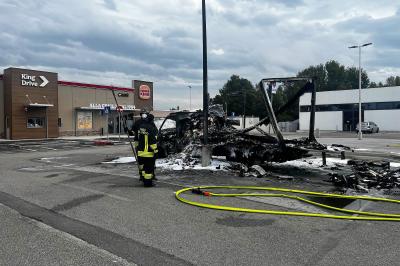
(51,176)
(80,177)
(243,222)
(76,202)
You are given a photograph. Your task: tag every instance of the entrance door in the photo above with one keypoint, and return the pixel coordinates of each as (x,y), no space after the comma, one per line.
(350,119)
(111,124)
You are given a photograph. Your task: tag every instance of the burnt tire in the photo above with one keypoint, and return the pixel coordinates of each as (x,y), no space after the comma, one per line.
(148,182)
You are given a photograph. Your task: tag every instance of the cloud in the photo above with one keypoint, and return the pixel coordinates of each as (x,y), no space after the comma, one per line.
(217,51)
(115,41)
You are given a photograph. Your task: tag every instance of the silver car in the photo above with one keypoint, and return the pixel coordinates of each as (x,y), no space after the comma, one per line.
(369,127)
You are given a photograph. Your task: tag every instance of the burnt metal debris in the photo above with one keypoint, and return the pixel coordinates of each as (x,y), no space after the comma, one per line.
(239,145)
(366,175)
(249,152)
(225,140)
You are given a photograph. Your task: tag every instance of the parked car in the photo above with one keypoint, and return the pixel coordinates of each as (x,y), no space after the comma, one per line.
(369,127)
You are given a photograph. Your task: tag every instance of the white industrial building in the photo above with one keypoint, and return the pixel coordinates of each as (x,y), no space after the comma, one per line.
(338,110)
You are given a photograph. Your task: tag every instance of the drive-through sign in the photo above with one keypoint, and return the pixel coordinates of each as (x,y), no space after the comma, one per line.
(33,81)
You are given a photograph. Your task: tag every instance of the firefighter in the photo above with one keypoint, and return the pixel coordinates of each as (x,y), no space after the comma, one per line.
(146,145)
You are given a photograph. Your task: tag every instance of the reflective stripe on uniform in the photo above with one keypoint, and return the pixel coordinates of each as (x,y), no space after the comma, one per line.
(147,154)
(146,143)
(148,176)
(153,146)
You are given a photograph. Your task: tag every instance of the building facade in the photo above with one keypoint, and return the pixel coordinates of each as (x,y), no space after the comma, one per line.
(35,104)
(338,110)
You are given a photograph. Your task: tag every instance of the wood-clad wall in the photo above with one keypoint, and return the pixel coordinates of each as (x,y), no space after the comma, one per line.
(16,99)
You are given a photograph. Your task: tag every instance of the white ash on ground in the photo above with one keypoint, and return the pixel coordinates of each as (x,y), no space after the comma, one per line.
(180,162)
(122,160)
(312,163)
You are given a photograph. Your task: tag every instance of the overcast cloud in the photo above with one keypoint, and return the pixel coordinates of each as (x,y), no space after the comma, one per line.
(115,41)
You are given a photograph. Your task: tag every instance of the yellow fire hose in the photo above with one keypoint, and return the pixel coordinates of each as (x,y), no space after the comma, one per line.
(369,216)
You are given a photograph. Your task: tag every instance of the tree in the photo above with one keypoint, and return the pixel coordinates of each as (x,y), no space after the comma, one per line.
(336,76)
(319,72)
(352,78)
(329,76)
(232,96)
(392,81)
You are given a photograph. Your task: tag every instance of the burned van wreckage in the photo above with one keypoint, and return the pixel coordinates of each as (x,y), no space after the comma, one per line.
(235,144)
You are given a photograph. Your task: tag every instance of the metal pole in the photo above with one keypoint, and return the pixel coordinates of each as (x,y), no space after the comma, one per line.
(272,117)
(205,75)
(272,99)
(311,135)
(244,108)
(190,97)
(205,150)
(107,125)
(119,126)
(359,94)
(127,133)
(270,93)
(47,124)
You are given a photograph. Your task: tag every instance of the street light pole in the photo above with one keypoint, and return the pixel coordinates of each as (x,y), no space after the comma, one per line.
(359,87)
(190,98)
(244,108)
(205,151)
(205,75)
(360,136)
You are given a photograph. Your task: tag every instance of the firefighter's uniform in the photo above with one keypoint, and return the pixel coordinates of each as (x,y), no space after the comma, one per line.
(146,145)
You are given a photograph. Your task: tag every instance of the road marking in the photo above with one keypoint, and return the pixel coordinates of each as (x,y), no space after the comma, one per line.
(97,191)
(49,148)
(73,239)
(28,150)
(129,249)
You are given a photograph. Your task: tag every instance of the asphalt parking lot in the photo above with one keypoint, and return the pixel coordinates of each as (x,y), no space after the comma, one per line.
(61,205)
(43,145)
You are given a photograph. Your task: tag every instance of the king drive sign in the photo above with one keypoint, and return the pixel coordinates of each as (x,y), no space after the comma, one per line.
(33,81)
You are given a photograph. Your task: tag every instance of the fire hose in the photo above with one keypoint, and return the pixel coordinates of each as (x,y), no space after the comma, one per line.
(368,216)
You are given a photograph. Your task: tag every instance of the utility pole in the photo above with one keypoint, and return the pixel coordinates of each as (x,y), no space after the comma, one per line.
(190,98)
(244,107)
(206,153)
(359,87)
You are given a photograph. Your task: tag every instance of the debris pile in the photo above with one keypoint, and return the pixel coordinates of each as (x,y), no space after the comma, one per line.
(338,147)
(225,140)
(366,175)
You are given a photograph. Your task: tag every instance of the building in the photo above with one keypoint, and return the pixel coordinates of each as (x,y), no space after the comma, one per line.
(338,110)
(35,104)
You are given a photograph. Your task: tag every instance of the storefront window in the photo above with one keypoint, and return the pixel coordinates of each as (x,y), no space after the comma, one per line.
(35,122)
(84,120)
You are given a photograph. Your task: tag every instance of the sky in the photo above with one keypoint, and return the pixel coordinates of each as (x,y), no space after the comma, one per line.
(113,42)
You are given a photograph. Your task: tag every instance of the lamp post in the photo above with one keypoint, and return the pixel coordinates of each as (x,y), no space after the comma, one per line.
(205,74)
(244,108)
(359,85)
(206,152)
(190,98)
